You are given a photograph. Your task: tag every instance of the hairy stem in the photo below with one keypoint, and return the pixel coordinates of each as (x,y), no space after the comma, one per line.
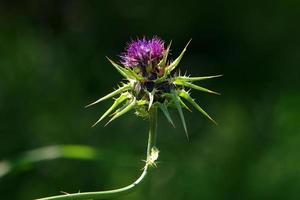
(124,190)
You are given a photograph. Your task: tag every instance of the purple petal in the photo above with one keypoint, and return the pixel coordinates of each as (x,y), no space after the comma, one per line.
(143,52)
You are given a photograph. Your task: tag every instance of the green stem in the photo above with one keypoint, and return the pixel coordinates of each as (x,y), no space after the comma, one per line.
(124,190)
(152,129)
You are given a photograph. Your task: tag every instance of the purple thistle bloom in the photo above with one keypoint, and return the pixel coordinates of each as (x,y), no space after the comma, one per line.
(143,53)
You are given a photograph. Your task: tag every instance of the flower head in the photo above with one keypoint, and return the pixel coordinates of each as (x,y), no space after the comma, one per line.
(143,53)
(150,82)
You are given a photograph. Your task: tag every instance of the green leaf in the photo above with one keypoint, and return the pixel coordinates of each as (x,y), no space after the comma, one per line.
(191,79)
(118,91)
(165,110)
(174,64)
(179,109)
(191,85)
(186,96)
(119,109)
(117,102)
(129,107)
(127,73)
(120,69)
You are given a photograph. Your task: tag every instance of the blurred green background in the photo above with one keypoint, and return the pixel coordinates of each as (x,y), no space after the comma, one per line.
(52,63)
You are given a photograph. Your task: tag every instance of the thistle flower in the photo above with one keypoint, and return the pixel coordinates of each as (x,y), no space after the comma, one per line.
(150,81)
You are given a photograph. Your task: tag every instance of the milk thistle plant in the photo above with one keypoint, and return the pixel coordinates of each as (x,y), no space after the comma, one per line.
(150,84)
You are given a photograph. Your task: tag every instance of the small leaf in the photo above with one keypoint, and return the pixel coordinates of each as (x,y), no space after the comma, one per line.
(117,102)
(174,64)
(179,109)
(186,96)
(191,79)
(127,73)
(191,85)
(118,91)
(165,110)
(123,111)
(121,108)
(120,69)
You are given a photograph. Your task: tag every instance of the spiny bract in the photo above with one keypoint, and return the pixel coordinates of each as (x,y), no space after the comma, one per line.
(150,81)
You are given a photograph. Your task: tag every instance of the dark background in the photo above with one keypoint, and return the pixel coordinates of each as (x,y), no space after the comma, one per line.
(52,63)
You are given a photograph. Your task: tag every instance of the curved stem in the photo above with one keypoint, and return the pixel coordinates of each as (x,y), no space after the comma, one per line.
(126,189)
